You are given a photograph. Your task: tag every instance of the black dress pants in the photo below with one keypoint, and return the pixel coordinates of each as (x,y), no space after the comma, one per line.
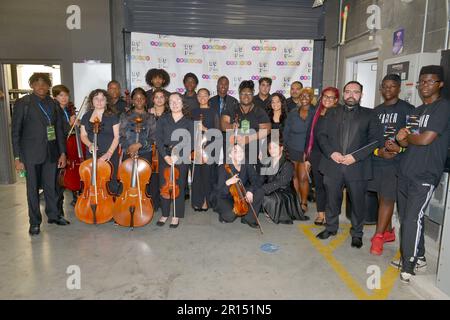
(45,175)
(356,190)
(224,208)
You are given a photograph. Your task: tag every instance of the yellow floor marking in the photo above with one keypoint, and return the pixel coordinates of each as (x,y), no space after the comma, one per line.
(388,279)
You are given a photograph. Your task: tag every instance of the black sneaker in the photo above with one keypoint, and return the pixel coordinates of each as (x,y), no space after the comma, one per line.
(421,264)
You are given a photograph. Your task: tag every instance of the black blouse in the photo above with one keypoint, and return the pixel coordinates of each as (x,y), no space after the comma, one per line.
(106,132)
(281,179)
(165,126)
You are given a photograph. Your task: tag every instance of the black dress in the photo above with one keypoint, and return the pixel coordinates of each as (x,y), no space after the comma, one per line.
(165,126)
(280,201)
(203,174)
(104,139)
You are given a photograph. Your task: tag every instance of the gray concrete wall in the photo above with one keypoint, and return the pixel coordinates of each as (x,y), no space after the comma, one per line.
(395,15)
(35,31)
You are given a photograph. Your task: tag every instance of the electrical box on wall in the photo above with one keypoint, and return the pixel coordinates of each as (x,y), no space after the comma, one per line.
(408,68)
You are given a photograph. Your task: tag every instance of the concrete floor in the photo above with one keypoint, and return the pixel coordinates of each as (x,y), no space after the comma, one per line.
(202,259)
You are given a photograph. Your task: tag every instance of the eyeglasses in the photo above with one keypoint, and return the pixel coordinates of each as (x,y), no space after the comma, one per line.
(324,97)
(429,82)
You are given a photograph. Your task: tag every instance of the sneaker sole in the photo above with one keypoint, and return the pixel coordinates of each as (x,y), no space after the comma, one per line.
(376,253)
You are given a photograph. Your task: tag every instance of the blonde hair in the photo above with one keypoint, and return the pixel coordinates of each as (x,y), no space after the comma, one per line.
(310,92)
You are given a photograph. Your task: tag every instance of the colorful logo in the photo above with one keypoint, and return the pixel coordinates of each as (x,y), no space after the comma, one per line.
(283,92)
(238,63)
(231,92)
(180,90)
(305,77)
(256,78)
(173,75)
(189,60)
(210,76)
(288,63)
(214,47)
(163,44)
(306,49)
(263,48)
(140,58)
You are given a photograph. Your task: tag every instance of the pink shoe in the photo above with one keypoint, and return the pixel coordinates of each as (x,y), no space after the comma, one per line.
(377,244)
(389,236)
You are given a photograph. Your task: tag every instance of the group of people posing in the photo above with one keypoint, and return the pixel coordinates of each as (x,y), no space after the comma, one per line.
(271,151)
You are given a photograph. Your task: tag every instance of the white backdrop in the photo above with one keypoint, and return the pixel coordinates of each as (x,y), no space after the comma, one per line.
(285,61)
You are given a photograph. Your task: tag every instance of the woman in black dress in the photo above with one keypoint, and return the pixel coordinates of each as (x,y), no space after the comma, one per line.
(277,111)
(280,202)
(296,129)
(329,99)
(178,122)
(160,107)
(202,180)
(108,136)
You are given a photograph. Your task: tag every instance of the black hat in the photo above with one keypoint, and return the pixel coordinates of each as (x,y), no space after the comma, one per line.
(433,69)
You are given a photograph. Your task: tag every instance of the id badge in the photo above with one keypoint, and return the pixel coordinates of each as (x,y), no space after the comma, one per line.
(245,127)
(51,133)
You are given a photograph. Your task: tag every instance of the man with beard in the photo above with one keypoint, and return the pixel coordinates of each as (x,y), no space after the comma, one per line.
(348,137)
(421,168)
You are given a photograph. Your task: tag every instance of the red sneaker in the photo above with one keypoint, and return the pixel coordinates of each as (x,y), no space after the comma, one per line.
(389,236)
(377,244)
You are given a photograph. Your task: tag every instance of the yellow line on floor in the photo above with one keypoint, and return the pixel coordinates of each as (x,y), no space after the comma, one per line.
(387,280)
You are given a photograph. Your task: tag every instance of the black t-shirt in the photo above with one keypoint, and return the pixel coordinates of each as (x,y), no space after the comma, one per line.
(120,106)
(425,164)
(291,105)
(392,119)
(263,104)
(250,120)
(106,132)
(191,101)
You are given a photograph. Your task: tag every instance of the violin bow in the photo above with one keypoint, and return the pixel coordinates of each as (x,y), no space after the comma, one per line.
(78,117)
(136,159)
(173,182)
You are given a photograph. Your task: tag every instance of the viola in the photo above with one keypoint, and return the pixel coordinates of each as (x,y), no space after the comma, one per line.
(134,208)
(95,205)
(237,190)
(69,177)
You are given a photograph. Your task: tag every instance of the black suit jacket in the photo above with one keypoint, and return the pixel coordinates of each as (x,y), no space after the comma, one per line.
(365,129)
(230,102)
(29,131)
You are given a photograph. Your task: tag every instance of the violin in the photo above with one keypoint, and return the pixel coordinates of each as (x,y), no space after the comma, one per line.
(95,204)
(69,177)
(134,208)
(170,189)
(237,190)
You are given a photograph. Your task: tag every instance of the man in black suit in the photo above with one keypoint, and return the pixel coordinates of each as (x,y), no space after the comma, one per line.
(39,148)
(348,137)
(222,100)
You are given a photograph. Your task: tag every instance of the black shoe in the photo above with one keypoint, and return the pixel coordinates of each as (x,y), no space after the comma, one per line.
(174,225)
(325,234)
(253,225)
(221,219)
(357,242)
(198,209)
(60,221)
(34,230)
(161,223)
(303,218)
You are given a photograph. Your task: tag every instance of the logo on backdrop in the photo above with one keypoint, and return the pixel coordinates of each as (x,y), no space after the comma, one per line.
(288,63)
(288,53)
(239,52)
(238,63)
(213,66)
(264,48)
(189,50)
(136,46)
(163,44)
(187,60)
(214,47)
(287,82)
(263,67)
(163,63)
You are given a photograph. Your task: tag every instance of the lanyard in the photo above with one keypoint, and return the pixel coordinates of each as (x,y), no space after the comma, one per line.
(46,114)
(67,116)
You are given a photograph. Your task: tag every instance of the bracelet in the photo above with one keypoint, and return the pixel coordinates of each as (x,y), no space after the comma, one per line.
(375,152)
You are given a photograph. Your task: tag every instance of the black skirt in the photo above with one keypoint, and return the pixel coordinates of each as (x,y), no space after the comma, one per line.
(282,206)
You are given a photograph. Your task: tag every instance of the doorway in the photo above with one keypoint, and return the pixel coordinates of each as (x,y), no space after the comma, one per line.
(363,68)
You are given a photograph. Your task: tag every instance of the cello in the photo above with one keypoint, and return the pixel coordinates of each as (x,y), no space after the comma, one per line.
(95,204)
(69,177)
(133,208)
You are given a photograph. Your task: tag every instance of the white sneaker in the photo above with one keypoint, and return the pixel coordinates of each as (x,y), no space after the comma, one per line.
(421,264)
(405,277)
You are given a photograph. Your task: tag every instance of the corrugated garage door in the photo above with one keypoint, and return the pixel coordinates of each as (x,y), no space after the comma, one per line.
(233,19)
